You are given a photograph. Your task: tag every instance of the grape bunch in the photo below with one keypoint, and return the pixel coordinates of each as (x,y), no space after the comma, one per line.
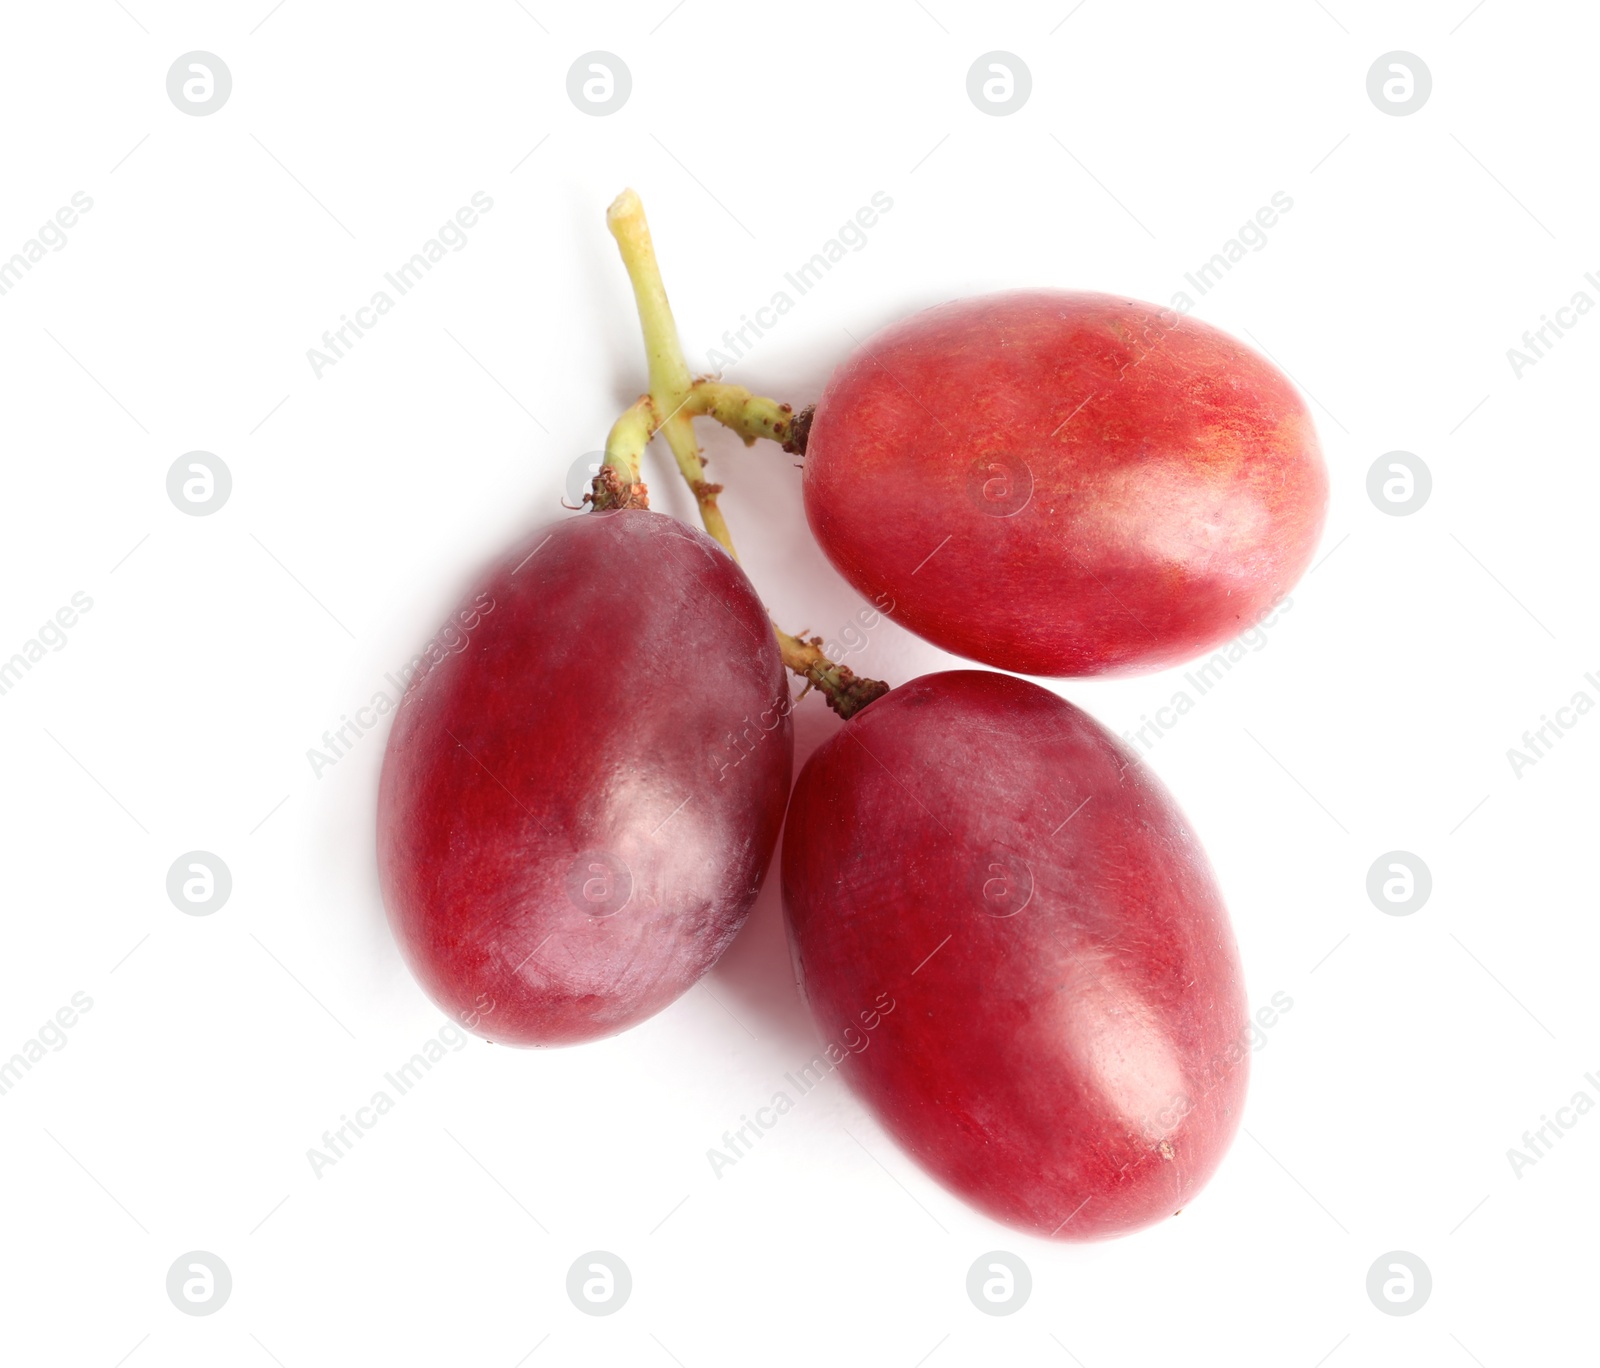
(1044,482)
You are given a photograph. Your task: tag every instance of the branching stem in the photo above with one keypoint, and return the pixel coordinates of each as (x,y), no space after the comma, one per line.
(671,406)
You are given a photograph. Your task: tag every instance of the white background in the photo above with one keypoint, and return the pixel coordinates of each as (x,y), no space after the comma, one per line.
(219,649)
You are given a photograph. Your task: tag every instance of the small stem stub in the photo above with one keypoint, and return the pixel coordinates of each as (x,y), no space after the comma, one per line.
(794,441)
(611,489)
(847,692)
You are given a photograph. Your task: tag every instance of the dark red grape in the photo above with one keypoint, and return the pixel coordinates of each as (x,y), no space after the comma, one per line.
(1064,1042)
(578,808)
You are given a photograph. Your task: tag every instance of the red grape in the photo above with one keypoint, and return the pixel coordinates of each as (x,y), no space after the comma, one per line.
(1064,1044)
(1065,483)
(578,808)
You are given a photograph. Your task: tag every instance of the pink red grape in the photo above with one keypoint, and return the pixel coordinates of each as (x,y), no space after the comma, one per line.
(1065,483)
